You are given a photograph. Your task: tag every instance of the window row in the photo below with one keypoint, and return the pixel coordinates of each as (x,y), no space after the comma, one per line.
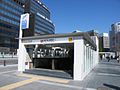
(39,32)
(38,18)
(8,33)
(43,17)
(19,2)
(14,5)
(35,9)
(14,10)
(40,7)
(9,20)
(8,26)
(10,15)
(41,28)
(43,25)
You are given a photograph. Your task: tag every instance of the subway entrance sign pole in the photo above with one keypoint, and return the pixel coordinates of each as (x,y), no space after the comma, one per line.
(24,24)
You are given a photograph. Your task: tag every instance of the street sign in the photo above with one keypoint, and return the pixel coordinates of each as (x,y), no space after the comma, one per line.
(24,22)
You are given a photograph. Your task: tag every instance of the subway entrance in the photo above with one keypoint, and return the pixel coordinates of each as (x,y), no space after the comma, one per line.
(52,59)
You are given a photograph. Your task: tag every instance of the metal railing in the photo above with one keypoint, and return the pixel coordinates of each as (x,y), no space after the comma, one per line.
(8,62)
(8,55)
(8,58)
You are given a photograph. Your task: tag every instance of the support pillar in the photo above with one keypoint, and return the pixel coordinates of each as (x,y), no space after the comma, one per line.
(78,59)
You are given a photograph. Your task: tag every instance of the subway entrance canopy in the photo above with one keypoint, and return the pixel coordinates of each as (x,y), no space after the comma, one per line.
(73,53)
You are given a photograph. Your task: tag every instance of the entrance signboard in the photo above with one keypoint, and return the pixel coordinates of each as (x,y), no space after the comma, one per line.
(51,40)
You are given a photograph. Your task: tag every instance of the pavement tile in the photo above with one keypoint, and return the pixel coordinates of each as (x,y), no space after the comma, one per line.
(105,76)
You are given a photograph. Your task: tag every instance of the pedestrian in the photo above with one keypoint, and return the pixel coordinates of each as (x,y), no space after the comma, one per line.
(111,57)
(100,57)
(118,59)
(108,58)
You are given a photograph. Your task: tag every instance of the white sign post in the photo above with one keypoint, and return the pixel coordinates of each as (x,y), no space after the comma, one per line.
(24,24)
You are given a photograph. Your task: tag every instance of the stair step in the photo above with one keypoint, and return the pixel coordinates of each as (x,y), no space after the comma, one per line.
(47,72)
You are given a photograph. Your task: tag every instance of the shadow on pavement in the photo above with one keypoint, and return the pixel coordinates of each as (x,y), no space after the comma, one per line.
(112,86)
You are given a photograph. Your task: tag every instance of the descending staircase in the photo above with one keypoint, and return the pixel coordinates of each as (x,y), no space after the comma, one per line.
(48,72)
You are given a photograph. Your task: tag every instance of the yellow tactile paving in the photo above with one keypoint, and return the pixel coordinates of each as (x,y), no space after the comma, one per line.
(18,84)
(53,79)
(32,79)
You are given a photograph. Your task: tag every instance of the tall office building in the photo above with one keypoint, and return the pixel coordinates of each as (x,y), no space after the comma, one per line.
(10,12)
(112,40)
(40,22)
(115,37)
(116,27)
(104,42)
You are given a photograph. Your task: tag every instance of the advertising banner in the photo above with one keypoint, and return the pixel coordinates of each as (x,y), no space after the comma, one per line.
(24,22)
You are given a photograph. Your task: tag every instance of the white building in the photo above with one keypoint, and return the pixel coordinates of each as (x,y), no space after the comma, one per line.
(75,52)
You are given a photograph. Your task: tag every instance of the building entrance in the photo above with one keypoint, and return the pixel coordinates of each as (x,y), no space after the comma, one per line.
(56,57)
(73,54)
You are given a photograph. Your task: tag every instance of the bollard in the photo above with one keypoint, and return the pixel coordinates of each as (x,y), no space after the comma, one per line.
(53,64)
(4,63)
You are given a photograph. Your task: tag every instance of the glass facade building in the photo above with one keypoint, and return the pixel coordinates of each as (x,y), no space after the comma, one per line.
(40,22)
(10,11)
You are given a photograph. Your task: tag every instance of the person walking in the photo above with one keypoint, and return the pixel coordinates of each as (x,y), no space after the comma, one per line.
(111,57)
(100,57)
(118,59)
(108,58)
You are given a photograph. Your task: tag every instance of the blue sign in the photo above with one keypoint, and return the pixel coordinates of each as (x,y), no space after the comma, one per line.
(24,21)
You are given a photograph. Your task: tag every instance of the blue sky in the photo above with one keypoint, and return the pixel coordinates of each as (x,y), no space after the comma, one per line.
(83,15)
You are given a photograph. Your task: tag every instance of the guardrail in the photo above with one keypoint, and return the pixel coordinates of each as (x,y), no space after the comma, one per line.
(8,55)
(8,61)
(8,58)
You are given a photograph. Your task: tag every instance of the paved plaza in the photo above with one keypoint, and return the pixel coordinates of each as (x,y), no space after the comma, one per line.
(105,76)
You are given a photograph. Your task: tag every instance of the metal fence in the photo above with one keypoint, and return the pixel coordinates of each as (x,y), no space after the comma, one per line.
(8,58)
(8,62)
(8,55)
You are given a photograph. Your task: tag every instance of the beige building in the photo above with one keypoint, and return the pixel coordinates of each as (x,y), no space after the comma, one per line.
(104,42)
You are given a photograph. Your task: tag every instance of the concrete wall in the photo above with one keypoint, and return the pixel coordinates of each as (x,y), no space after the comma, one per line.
(85,59)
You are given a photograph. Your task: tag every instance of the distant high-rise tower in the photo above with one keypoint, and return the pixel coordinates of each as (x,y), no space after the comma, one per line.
(116,27)
(104,42)
(115,37)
